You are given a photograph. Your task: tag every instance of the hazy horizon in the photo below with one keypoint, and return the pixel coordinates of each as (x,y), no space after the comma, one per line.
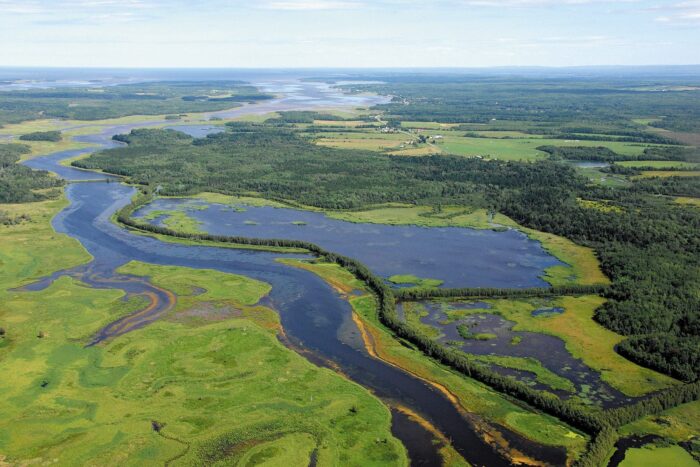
(348,34)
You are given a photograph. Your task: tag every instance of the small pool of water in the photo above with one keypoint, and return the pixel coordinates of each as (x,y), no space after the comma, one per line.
(589,164)
(197,131)
(548,311)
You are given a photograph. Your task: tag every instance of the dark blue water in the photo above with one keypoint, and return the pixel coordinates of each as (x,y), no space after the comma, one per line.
(314,317)
(459,257)
(550,351)
(197,131)
(317,321)
(548,311)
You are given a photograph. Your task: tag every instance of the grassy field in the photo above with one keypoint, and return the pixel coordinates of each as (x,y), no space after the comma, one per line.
(654,456)
(424,216)
(421,150)
(584,339)
(33,249)
(41,147)
(343,123)
(525,148)
(370,140)
(688,201)
(679,424)
(659,164)
(603,178)
(669,173)
(212,378)
(466,393)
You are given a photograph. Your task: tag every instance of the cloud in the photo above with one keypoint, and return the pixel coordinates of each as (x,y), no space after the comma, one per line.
(540,3)
(305,5)
(687,12)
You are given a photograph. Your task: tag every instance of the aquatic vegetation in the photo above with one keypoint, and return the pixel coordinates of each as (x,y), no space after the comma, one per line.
(204,372)
(409,279)
(175,219)
(585,339)
(465,330)
(472,395)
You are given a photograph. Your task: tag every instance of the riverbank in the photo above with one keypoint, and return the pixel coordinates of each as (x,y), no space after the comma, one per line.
(204,371)
(469,396)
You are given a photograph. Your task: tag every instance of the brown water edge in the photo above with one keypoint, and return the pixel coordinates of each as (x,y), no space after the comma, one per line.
(501,439)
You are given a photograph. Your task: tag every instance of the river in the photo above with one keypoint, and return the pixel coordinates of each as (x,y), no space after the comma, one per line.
(316,320)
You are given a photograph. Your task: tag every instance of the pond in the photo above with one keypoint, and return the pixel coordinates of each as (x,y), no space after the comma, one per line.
(491,334)
(460,257)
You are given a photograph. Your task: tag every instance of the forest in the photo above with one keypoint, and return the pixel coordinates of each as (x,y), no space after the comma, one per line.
(19,184)
(130,99)
(648,245)
(542,104)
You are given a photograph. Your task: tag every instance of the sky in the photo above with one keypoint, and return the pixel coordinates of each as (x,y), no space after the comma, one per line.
(348,33)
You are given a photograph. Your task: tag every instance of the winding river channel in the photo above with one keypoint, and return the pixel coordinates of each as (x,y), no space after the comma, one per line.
(317,321)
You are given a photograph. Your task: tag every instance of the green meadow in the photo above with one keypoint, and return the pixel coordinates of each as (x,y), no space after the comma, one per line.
(192,389)
(660,164)
(526,148)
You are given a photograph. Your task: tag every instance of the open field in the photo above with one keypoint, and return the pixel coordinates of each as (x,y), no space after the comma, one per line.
(496,144)
(371,140)
(30,250)
(343,123)
(468,394)
(688,201)
(525,148)
(603,178)
(669,173)
(202,376)
(660,164)
(678,424)
(653,456)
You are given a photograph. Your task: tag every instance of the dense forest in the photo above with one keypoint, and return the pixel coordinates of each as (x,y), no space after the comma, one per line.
(552,105)
(53,136)
(18,184)
(648,245)
(130,99)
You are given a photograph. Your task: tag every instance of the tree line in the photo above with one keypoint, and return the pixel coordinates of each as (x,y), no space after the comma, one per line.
(647,245)
(599,423)
(420,293)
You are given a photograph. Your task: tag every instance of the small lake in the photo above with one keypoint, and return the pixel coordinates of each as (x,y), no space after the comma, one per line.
(197,131)
(589,164)
(460,257)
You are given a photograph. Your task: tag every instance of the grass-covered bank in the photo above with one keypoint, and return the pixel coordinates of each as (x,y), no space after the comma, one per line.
(194,388)
(468,395)
(600,424)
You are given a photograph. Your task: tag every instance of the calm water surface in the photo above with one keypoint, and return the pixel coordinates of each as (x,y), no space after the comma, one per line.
(459,257)
(315,318)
